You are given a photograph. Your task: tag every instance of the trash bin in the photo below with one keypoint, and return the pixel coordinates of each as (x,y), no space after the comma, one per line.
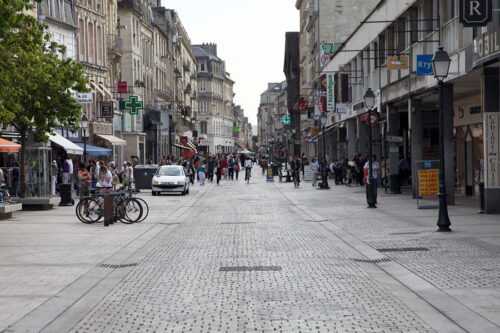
(65,193)
(143,175)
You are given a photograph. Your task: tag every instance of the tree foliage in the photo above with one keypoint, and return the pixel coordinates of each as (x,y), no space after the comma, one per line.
(37,84)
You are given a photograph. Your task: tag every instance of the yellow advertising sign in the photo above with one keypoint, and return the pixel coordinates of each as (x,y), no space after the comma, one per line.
(397,62)
(428,184)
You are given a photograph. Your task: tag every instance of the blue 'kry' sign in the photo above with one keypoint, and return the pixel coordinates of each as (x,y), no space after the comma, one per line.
(424,64)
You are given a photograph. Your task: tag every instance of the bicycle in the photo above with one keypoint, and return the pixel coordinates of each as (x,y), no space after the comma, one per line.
(127,209)
(5,194)
(248,174)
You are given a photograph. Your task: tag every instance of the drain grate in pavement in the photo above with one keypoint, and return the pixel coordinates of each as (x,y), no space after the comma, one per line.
(167,223)
(404,249)
(238,222)
(250,268)
(406,233)
(372,261)
(117,266)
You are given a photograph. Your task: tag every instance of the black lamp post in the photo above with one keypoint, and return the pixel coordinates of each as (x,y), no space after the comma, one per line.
(369,99)
(324,171)
(441,65)
(84,124)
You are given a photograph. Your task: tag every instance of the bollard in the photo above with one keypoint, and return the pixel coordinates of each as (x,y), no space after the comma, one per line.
(108,210)
(481,199)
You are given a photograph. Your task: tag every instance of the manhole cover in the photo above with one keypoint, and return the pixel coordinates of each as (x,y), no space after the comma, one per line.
(404,249)
(372,261)
(249,268)
(117,266)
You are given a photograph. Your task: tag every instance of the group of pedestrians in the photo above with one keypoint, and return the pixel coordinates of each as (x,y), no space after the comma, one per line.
(219,166)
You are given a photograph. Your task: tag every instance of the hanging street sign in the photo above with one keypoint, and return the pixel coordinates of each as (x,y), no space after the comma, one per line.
(475,13)
(424,64)
(85,98)
(122,87)
(133,105)
(107,110)
(330,92)
(341,108)
(397,62)
(303,105)
(394,139)
(286,120)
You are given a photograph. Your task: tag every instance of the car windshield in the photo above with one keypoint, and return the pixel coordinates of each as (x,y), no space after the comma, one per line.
(169,172)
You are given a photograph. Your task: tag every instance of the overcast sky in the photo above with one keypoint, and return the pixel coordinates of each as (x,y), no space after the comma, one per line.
(250,37)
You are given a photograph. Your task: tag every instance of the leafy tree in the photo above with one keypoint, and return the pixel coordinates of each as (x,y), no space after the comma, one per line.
(38,95)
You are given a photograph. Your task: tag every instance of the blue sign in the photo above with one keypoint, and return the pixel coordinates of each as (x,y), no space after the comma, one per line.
(424,64)
(427,164)
(269,176)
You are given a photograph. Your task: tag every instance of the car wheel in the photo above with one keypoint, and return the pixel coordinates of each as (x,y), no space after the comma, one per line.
(187,191)
(184,192)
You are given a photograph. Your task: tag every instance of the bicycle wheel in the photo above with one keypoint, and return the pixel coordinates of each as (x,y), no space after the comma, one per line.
(145,208)
(89,211)
(132,211)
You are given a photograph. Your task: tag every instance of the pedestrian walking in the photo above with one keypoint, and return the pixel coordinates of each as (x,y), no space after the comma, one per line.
(15,180)
(105,180)
(230,166)
(219,172)
(315,169)
(129,175)
(85,181)
(225,166)
(201,174)
(53,180)
(375,173)
(236,169)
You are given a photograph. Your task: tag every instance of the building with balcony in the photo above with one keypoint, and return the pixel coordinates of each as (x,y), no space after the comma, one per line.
(215,101)
(389,52)
(324,26)
(268,117)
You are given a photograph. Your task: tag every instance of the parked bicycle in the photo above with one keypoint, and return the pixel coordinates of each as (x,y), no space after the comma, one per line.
(5,194)
(126,208)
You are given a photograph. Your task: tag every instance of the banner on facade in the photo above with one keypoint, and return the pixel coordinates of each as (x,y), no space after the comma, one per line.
(122,87)
(424,64)
(397,62)
(330,92)
(341,108)
(85,98)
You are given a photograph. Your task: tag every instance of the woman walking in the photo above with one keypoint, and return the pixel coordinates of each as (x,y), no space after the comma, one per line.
(85,180)
(236,169)
(201,174)
(105,181)
(219,172)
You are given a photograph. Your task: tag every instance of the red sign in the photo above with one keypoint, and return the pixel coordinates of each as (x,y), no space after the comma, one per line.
(303,105)
(372,119)
(122,87)
(183,140)
(321,104)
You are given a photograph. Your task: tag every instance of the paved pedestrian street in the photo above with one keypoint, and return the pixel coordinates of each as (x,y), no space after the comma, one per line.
(258,257)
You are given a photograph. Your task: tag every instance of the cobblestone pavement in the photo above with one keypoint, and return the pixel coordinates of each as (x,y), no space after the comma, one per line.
(265,257)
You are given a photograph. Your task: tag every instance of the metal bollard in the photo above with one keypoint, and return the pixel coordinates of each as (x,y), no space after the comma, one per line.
(108,210)
(481,199)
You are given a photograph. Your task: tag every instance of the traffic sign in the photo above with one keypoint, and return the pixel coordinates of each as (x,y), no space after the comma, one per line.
(303,105)
(372,119)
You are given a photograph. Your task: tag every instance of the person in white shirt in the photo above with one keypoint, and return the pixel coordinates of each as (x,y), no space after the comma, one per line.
(248,167)
(105,180)
(315,169)
(70,163)
(129,174)
(375,172)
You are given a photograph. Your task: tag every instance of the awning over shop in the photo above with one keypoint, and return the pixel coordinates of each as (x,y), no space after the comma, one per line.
(96,151)
(7,146)
(115,141)
(181,146)
(192,146)
(64,143)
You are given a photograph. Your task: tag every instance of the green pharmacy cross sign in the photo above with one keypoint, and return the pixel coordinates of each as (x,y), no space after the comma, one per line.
(133,105)
(286,120)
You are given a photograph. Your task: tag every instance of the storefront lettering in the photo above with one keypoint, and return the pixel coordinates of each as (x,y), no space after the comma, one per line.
(492,150)
(486,46)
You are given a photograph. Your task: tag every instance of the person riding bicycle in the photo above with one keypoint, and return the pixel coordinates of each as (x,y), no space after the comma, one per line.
(296,166)
(248,167)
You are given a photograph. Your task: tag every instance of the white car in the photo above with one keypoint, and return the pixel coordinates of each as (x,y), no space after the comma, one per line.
(170,179)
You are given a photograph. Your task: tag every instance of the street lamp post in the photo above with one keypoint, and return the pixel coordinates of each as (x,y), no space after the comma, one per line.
(369,100)
(441,65)
(324,171)
(84,124)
